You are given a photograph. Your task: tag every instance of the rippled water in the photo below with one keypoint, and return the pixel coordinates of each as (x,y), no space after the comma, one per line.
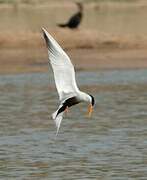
(110,145)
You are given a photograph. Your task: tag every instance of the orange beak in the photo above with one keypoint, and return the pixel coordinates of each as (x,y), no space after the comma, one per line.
(90,110)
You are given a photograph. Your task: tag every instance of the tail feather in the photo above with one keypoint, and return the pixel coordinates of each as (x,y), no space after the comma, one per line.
(57,118)
(62,25)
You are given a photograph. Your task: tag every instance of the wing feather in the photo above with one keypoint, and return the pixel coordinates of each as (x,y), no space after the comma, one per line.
(63,69)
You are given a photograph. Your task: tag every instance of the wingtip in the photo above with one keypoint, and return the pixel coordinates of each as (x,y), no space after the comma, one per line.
(43,29)
(45,35)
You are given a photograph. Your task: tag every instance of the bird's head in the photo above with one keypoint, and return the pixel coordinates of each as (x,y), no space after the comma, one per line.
(91,105)
(80,6)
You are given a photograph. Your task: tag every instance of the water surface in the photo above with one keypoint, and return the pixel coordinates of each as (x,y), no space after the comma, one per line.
(110,145)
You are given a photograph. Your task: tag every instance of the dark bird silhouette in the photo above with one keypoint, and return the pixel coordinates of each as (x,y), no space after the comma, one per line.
(75,20)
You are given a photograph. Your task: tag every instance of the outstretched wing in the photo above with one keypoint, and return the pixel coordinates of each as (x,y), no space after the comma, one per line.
(63,69)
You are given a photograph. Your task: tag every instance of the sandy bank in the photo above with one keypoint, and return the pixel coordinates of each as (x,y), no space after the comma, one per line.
(71,39)
(36,60)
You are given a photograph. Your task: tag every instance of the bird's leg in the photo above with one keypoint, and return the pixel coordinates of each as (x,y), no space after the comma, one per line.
(66,109)
(90,110)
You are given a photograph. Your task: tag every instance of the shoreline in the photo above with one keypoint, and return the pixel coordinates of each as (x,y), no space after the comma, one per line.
(112,35)
(36,60)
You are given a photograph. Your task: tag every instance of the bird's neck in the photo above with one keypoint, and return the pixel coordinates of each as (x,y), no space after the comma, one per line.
(80,9)
(84,97)
(80,14)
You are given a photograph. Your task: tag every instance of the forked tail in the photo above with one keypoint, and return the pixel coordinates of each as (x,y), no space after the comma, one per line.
(57,118)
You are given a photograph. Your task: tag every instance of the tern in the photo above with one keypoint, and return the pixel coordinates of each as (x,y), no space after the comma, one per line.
(64,75)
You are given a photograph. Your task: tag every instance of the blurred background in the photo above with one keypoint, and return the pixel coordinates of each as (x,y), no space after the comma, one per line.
(106,24)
